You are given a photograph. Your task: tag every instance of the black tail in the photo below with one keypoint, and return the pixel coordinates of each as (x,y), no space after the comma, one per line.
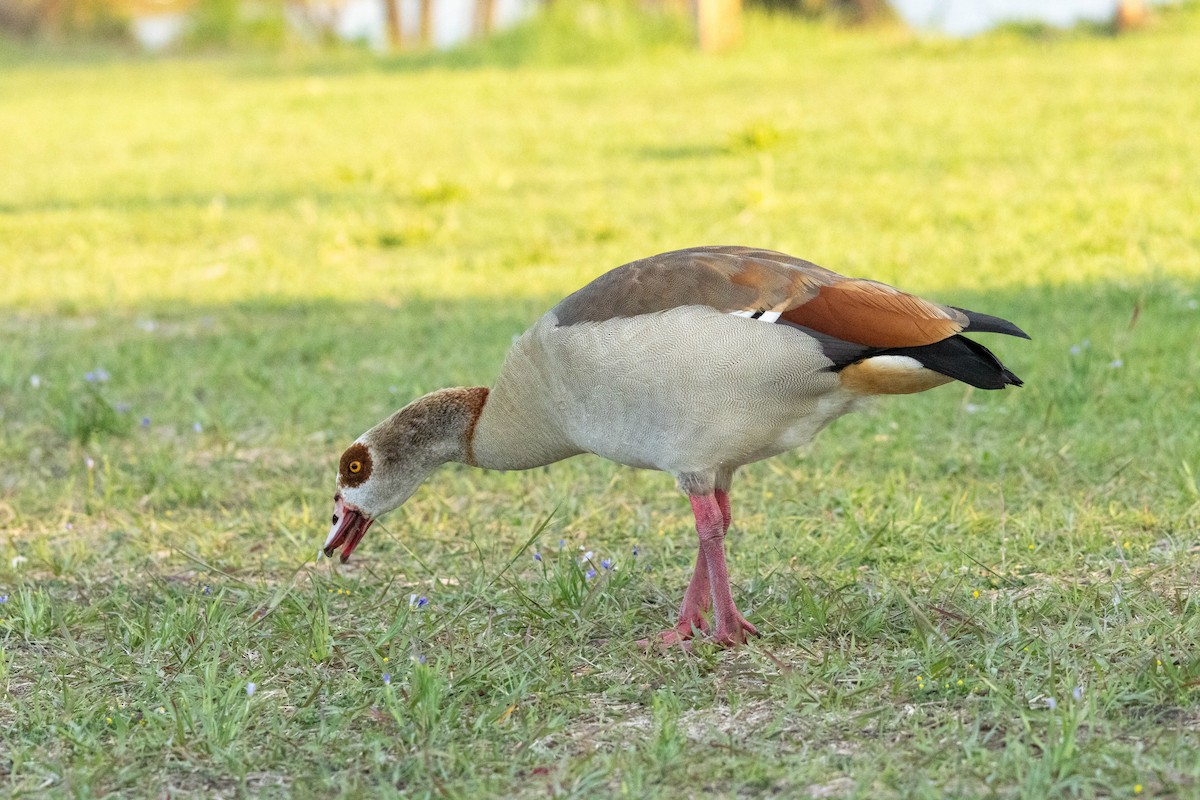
(956,357)
(962,359)
(986,323)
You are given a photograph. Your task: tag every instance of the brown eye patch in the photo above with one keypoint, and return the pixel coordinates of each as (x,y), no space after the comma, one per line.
(355,467)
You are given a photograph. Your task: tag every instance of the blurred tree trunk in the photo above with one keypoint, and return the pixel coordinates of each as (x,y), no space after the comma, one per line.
(485,12)
(395,30)
(718,23)
(1130,15)
(426,29)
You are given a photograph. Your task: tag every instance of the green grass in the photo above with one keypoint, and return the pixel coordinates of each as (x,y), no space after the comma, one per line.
(267,254)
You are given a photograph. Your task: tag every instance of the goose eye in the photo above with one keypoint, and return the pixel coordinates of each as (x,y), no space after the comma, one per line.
(354,468)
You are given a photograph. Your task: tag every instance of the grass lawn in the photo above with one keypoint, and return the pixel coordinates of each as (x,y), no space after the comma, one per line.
(216,271)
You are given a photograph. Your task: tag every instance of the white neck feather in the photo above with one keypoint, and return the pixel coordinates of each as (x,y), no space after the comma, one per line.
(519,427)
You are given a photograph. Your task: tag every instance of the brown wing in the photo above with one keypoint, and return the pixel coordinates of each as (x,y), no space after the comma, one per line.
(733,279)
(876,315)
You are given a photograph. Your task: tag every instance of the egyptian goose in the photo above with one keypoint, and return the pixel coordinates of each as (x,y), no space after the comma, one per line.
(692,362)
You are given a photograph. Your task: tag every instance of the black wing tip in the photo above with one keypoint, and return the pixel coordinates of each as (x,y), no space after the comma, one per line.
(986,323)
(992,382)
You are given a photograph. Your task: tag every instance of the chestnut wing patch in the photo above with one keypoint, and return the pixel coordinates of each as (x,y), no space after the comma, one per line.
(876,315)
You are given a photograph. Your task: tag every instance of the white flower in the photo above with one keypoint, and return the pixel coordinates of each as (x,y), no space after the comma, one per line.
(251,688)
(35,381)
(18,561)
(1116,363)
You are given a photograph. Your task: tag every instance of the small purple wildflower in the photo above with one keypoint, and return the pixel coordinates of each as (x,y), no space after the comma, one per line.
(635,549)
(98,375)
(562,543)
(251,688)
(3,599)
(145,422)
(606,563)
(208,590)
(69,526)
(420,659)
(387,679)
(89,462)
(197,427)
(591,573)
(1051,703)
(537,556)
(418,602)
(1077,693)
(122,408)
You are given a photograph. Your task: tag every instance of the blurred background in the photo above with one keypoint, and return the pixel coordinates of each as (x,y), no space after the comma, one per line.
(159,25)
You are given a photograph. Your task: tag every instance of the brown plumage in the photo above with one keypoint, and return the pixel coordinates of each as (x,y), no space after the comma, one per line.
(693,362)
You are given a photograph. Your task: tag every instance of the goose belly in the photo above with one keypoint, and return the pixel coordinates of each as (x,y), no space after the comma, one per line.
(686,390)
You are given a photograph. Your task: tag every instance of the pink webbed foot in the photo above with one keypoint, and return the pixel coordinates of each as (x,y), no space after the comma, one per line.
(735,632)
(683,631)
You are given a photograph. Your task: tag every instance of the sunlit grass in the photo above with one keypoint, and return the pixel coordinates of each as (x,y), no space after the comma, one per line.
(979,165)
(214,273)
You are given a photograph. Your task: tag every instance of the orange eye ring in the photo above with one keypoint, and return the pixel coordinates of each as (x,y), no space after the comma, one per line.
(355,467)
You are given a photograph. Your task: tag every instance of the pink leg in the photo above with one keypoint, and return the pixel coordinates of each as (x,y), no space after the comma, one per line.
(698,598)
(696,601)
(726,512)
(731,626)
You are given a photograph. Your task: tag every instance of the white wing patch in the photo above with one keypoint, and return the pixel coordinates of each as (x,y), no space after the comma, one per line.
(765,316)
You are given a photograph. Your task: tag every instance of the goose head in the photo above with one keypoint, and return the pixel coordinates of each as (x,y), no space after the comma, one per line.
(386,465)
